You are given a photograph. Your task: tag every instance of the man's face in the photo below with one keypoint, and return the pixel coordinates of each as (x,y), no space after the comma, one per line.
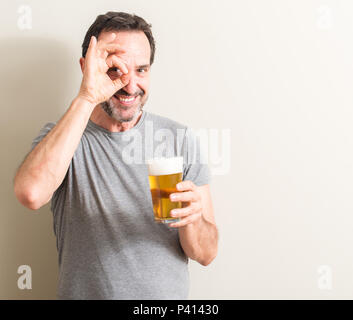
(125,104)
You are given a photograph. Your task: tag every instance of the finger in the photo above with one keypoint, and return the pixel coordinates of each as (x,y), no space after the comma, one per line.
(180,213)
(185,221)
(121,82)
(186,185)
(186,196)
(91,48)
(114,61)
(111,49)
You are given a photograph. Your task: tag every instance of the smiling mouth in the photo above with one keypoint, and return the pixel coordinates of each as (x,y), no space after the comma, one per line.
(125,100)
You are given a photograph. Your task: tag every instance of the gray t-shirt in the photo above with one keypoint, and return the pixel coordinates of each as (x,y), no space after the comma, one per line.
(109,246)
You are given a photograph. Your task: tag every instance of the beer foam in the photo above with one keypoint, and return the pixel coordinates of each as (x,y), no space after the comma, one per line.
(163,166)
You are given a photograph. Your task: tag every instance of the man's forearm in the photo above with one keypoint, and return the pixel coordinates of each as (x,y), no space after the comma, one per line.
(45,167)
(199,240)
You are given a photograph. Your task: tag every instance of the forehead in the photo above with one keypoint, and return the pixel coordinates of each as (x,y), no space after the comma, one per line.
(135,43)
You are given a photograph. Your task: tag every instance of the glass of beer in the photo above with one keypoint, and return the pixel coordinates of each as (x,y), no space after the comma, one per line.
(163,175)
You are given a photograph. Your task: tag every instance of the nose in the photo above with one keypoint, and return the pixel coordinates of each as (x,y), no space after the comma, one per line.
(132,87)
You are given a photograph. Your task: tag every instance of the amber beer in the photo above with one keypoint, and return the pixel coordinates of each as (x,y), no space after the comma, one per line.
(163,175)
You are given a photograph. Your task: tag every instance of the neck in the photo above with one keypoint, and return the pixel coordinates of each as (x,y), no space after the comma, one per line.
(101,118)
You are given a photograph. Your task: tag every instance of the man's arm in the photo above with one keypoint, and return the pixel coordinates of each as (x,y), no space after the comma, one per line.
(45,167)
(198,232)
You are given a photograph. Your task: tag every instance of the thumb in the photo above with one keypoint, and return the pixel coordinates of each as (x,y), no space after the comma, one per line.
(121,82)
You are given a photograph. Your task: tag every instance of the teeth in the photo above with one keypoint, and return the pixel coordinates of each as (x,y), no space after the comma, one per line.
(126,99)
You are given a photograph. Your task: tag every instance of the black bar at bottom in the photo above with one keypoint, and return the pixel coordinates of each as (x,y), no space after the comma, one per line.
(174,309)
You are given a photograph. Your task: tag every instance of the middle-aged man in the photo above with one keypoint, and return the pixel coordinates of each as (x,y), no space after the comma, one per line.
(109,246)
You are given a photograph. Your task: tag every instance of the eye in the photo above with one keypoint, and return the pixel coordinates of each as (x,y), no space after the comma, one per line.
(142,70)
(115,69)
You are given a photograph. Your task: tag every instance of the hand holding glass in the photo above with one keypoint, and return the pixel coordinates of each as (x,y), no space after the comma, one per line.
(164,174)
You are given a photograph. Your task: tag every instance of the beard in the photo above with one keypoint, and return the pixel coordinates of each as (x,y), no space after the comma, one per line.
(124,113)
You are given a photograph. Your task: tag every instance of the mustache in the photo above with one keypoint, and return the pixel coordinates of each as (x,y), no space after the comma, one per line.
(124,93)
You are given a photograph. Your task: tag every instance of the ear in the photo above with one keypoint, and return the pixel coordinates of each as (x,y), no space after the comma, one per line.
(82,64)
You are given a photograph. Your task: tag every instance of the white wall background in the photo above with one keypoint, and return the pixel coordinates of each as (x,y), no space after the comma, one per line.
(277,73)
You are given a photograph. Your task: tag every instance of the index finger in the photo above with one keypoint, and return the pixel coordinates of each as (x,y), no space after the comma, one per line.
(110,48)
(185,185)
(113,60)
(186,196)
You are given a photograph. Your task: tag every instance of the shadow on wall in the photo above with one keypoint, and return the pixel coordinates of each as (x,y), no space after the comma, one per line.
(36,76)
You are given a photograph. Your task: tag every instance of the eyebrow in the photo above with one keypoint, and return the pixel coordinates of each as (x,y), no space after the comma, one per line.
(143,66)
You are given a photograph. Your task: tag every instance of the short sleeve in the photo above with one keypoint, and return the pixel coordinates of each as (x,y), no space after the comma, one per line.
(195,159)
(42,133)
